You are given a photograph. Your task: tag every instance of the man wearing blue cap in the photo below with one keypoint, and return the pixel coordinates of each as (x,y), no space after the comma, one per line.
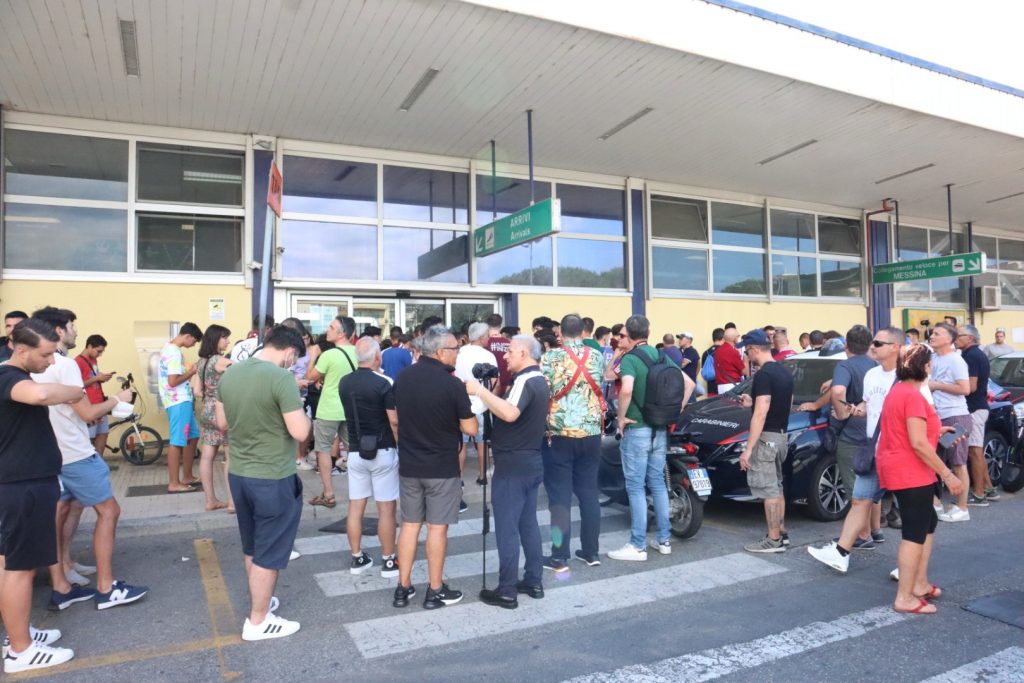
(771,398)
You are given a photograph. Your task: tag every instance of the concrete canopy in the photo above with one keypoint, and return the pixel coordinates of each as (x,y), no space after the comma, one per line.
(338,72)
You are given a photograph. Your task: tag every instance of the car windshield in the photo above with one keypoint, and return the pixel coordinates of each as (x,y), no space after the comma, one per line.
(1008,371)
(808,376)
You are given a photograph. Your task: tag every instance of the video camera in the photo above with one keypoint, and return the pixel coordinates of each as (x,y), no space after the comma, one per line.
(485,371)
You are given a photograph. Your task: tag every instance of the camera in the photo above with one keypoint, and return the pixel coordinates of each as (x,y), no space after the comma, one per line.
(483,371)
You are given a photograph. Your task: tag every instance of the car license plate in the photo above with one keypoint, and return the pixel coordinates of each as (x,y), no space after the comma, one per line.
(699,481)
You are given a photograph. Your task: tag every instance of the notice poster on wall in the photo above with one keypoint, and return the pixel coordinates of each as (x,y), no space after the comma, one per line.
(216,309)
(1018,335)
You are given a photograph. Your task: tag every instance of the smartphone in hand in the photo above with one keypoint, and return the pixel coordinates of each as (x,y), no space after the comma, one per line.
(947,439)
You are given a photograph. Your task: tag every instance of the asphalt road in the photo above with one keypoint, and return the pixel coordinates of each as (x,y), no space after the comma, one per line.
(709,611)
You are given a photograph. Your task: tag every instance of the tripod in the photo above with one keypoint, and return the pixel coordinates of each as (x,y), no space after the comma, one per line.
(486,527)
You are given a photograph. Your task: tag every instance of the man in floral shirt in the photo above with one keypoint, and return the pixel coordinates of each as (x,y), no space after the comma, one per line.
(572,449)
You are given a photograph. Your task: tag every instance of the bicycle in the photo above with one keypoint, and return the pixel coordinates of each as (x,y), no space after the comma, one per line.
(139,445)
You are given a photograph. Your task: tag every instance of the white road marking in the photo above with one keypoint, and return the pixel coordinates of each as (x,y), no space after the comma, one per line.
(716,662)
(413,630)
(343,582)
(333,543)
(1005,666)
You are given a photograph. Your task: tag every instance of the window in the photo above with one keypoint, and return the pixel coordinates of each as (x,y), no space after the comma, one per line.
(918,243)
(840,235)
(330,187)
(41,237)
(189,175)
(1005,261)
(420,194)
(592,210)
(328,251)
(737,225)
(682,269)
(415,254)
(178,242)
(676,218)
(737,272)
(793,231)
(815,255)
(794,276)
(66,166)
(528,264)
(589,263)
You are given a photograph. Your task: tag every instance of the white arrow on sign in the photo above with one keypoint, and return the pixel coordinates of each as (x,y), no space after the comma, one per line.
(973,265)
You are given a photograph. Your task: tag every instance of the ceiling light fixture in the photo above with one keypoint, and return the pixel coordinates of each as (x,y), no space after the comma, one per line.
(1009,196)
(129,47)
(417,90)
(904,173)
(791,150)
(627,122)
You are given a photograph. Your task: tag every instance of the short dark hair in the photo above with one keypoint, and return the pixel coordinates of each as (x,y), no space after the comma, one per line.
(804,334)
(638,327)
(766,328)
(817,337)
(510,331)
(601,331)
(913,330)
(718,334)
(395,332)
(572,326)
(546,337)
(348,325)
(858,340)
(616,328)
(371,331)
(912,362)
(588,325)
(58,317)
(947,318)
(192,330)
(211,339)
(429,322)
(832,334)
(730,326)
(494,320)
(283,338)
(544,321)
(16,314)
(404,338)
(256,321)
(96,341)
(30,331)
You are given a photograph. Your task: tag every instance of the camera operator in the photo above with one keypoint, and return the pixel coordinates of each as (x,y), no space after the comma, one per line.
(518,430)
(472,354)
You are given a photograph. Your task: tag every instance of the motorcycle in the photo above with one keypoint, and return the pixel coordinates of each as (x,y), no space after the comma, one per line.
(687,482)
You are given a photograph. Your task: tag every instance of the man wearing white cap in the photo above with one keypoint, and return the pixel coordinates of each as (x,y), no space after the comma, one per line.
(1000,347)
(691,359)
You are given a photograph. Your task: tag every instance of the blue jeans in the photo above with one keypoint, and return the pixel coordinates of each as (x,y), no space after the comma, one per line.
(643,460)
(515,522)
(570,466)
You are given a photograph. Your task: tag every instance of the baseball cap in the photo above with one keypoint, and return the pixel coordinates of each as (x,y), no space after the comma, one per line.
(757,337)
(688,335)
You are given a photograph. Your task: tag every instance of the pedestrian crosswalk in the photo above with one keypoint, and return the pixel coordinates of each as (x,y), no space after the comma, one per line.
(1005,666)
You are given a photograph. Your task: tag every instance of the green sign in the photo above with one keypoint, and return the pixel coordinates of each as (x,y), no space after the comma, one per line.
(955,265)
(536,221)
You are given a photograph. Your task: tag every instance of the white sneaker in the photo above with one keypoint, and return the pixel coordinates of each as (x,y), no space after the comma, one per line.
(629,553)
(939,509)
(665,547)
(39,635)
(303,465)
(84,569)
(272,626)
(295,554)
(895,574)
(830,555)
(955,514)
(74,577)
(274,604)
(37,656)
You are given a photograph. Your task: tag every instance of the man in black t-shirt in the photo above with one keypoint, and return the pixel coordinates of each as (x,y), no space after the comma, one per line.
(519,423)
(30,461)
(433,413)
(717,337)
(967,340)
(771,399)
(369,402)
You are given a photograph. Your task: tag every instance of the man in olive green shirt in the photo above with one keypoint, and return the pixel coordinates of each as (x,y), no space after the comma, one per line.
(260,406)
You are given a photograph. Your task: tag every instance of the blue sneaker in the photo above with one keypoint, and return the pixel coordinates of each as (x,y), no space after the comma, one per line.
(120,594)
(61,601)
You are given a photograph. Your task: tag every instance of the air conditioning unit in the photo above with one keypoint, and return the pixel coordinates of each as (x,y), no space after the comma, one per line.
(988,297)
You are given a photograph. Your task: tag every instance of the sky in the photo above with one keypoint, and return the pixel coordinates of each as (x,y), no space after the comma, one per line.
(981,37)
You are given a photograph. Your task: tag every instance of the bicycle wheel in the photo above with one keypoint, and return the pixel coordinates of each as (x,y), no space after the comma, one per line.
(144,449)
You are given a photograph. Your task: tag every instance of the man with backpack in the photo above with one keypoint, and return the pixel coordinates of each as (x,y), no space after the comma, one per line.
(653,393)
(707,361)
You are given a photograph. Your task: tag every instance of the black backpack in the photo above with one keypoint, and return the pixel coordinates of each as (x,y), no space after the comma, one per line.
(663,400)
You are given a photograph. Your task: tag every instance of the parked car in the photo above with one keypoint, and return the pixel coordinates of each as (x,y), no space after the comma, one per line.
(1008,372)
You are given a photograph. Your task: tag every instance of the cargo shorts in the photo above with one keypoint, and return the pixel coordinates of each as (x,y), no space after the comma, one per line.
(765,474)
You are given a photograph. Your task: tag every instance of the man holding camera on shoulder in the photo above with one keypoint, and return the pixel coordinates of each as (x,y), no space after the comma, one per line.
(520,420)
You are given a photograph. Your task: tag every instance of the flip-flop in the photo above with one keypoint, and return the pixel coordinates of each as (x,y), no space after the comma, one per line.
(917,610)
(188,490)
(934,593)
(195,483)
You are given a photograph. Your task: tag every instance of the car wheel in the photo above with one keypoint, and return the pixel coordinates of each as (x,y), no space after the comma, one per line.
(685,512)
(996,450)
(1012,476)
(827,500)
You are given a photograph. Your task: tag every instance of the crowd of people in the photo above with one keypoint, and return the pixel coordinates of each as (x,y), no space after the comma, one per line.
(397,415)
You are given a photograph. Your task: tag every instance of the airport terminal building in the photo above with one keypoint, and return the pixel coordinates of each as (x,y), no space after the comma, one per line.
(712,162)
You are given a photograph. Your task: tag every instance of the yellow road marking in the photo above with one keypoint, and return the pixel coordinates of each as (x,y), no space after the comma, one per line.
(222,614)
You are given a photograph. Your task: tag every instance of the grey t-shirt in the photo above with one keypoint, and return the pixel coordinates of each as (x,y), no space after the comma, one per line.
(949,369)
(850,374)
(996,350)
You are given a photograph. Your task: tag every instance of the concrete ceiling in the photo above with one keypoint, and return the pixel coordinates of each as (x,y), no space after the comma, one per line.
(337,71)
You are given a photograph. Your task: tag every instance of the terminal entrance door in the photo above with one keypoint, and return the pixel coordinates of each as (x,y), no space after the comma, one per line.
(316,311)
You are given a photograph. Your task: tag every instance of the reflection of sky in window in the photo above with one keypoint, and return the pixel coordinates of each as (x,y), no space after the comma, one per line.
(1013,289)
(331,251)
(66,238)
(792,231)
(513,266)
(419,194)
(605,260)
(840,278)
(988,246)
(680,269)
(513,194)
(594,210)
(794,276)
(913,243)
(332,187)
(1011,254)
(951,290)
(404,246)
(737,226)
(69,166)
(738,272)
(839,235)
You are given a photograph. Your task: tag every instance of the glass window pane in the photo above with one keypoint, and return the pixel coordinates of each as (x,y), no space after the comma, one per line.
(466,313)
(1011,254)
(840,278)
(680,269)
(192,243)
(593,210)
(792,231)
(589,263)
(328,251)
(907,291)
(317,316)
(510,195)
(191,175)
(738,272)
(415,312)
(331,187)
(840,235)
(70,166)
(380,314)
(430,255)
(420,194)
(526,264)
(913,243)
(987,245)
(737,226)
(950,290)
(940,243)
(66,238)
(675,218)
(794,276)
(1013,289)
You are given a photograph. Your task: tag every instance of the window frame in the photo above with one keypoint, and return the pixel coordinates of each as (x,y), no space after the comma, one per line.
(930,302)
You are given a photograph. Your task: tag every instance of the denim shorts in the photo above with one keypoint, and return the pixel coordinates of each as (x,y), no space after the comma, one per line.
(87,481)
(479,438)
(183,424)
(866,487)
(101,426)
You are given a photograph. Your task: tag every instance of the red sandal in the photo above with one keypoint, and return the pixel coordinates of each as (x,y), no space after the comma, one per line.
(922,604)
(934,593)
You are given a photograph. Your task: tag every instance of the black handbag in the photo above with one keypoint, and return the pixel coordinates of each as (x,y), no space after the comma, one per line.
(368,443)
(864,458)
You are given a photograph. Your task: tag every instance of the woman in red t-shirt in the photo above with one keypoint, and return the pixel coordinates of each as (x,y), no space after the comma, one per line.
(907,466)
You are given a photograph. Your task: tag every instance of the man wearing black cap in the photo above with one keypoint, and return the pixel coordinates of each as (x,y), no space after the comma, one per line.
(771,398)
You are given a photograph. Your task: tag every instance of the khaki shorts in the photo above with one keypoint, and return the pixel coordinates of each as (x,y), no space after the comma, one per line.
(324,432)
(977,437)
(765,474)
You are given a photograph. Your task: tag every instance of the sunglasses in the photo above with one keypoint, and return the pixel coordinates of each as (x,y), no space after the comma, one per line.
(879,344)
